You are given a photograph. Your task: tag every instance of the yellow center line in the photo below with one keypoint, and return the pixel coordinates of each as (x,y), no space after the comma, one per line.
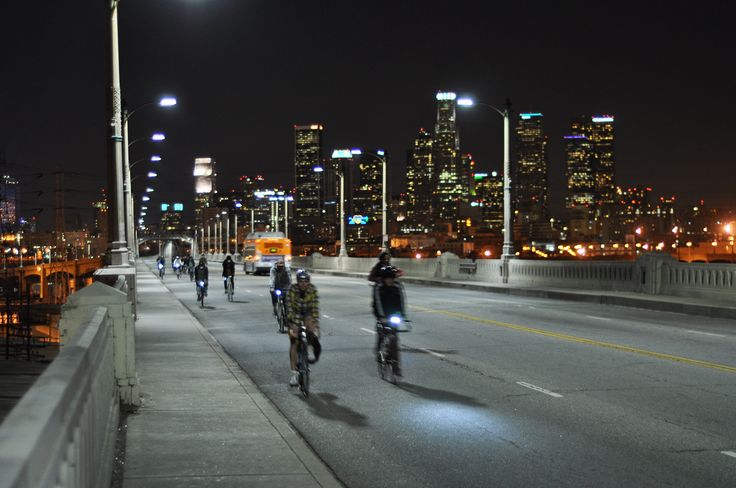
(582,340)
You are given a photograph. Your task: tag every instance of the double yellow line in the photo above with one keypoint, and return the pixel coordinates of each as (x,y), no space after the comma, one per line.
(582,340)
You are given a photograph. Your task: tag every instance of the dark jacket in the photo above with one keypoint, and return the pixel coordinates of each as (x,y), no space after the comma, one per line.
(373,275)
(201,273)
(388,300)
(228,267)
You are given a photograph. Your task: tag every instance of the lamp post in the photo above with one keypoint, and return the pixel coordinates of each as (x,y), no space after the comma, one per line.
(227,233)
(730,230)
(117,245)
(343,251)
(128,189)
(508,244)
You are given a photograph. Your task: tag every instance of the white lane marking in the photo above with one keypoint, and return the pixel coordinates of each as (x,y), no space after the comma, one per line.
(597,318)
(539,389)
(705,333)
(729,453)
(326,316)
(368,330)
(432,352)
(532,307)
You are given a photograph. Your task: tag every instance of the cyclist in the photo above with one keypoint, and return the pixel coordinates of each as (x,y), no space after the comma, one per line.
(161,264)
(302,306)
(176,265)
(228,270)
(384,259)
(388,300)
(201,273)
(280,279)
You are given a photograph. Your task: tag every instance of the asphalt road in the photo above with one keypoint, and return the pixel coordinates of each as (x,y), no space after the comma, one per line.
(497,390)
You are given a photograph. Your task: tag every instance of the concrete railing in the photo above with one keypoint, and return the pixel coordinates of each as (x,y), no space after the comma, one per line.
(652,273)
(62,432)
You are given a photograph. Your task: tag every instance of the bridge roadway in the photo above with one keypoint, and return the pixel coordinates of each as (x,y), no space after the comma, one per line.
(498,390)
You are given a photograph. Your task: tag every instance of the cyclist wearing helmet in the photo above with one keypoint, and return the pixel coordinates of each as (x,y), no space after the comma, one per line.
(302,304)
(280,279)
(388,300)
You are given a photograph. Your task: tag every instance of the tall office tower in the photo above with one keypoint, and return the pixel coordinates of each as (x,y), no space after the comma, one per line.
(367,188)
(307,156)
(448,192)
(466,170)
(600,133)
(582,161)
(99,236)
(531,170)
(205,188)
(9,198)
(488,195)
(421,180)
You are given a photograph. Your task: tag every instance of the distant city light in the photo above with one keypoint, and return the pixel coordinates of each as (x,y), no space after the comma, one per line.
(356,151)
(528,116)
(238,205)
(575,137)
(341,154)
(602,118)
(443,96)
(316,169)
(380,152)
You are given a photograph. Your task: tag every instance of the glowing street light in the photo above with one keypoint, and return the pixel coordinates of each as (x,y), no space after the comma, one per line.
(145,198)
(158,137)
(167,102)
(152,174)
(155,158)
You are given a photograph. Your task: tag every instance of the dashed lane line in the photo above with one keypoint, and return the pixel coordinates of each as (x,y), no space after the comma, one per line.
(729,453)
(539,389)
(704,333)
(598,318)
(429,351)
(582,340)
(368,330)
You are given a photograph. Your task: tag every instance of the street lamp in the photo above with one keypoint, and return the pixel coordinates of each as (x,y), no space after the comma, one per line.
(508,244)
(343,251)
(730,228)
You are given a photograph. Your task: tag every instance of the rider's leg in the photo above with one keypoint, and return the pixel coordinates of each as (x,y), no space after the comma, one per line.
(313,341)
(293,381)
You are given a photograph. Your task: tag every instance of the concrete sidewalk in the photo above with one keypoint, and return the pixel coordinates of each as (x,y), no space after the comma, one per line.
(664,303)
(203,421)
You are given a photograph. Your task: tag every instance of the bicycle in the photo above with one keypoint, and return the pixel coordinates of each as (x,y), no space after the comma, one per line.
(161,271)
(389,360)
(280,311)
(191,272)
(230,288)
(201,292)
(302,359)
(177,271)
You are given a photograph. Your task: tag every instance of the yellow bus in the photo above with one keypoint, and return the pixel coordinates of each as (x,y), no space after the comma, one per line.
(262,249)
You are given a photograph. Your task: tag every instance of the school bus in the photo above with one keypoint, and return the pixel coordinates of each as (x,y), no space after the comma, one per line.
(262,249)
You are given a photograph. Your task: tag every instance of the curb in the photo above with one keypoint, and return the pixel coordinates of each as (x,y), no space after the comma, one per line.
(658,305)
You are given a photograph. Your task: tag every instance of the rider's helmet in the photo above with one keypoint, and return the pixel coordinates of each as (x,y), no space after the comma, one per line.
(388,272)
(202,261)
(302,275)
(384,257)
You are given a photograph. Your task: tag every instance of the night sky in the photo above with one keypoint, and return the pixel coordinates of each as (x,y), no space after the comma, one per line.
(246,71)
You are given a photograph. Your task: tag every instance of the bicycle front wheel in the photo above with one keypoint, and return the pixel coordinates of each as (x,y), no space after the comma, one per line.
(303,370)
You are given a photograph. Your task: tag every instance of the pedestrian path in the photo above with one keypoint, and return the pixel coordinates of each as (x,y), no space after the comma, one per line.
(203,422)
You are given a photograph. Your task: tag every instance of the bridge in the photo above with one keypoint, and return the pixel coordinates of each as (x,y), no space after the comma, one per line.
(54,281)
(171,243)
(583,359)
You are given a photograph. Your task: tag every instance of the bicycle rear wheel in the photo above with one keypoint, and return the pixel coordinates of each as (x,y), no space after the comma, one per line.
(281,316)
(230,290)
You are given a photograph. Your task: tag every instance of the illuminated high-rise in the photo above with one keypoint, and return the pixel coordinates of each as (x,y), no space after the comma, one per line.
(307,156)
(449,190)
(600,132)
(205,188)
(9,199)
(531,169)
(421,180)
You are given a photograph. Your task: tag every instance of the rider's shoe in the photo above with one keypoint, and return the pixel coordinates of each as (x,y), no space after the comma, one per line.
(294,381)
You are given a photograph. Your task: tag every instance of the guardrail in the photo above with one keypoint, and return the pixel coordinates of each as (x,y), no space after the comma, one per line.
(62,432)
(652,273)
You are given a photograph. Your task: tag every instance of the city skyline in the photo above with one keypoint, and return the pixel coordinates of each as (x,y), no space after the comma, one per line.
(246,117)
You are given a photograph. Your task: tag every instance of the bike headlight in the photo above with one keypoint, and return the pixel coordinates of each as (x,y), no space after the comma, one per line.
(201,283)
(395,319)
(278,293)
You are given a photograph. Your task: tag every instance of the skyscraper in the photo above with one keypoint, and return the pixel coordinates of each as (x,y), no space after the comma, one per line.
(601,135)
(9,198)
(489,197)
(368,184)
(448,192)
(421,180)
(307,156)
(205,187)
(531,169)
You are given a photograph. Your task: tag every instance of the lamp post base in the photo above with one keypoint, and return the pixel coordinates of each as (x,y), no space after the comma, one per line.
(118,253)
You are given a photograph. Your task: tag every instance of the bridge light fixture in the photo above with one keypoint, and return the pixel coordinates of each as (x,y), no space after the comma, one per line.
(158,136)
(145,198)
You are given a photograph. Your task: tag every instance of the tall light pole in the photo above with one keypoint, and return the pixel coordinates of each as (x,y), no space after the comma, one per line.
(117,245)
(163,102)
(508,240)
(227,232)
(343,251)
